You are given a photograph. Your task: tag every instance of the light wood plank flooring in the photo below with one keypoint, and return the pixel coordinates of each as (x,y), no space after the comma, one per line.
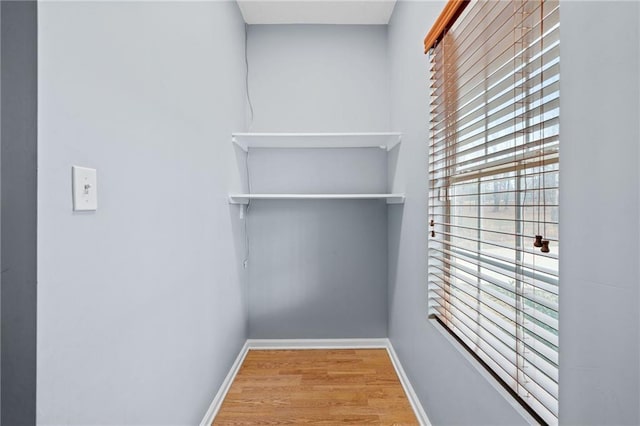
(341,386)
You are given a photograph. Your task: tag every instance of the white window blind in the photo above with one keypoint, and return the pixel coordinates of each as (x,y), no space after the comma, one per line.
(493,176)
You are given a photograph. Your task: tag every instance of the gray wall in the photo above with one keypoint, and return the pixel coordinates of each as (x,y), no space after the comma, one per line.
(447,384)
(599,345)
(319,78)
(599,297)
(318,268)
(18,247)
(141,311)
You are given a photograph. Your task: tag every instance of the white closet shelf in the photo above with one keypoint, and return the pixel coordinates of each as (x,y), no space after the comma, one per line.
(383,140)
(244,198)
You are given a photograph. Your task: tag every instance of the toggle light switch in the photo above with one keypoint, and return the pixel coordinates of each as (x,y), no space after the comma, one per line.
(85,188)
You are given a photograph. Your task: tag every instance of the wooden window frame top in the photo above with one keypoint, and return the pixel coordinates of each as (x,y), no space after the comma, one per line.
(447,17)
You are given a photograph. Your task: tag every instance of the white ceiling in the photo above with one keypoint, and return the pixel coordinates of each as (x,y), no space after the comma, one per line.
(316,11)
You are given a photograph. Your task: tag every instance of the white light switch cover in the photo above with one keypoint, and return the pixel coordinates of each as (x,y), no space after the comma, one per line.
(85,188)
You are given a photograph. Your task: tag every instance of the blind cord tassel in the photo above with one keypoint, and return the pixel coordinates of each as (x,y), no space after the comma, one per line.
(545,246)
(538,241)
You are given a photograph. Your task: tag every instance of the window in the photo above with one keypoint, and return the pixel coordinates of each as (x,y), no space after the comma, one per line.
(493,189)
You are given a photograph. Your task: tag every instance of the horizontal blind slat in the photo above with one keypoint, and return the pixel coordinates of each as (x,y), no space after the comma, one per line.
(548,355)
(497,75)
(439,147)
(548,284)
(494,244)
(502,330)
(496,257)
(533,298)
(506,295)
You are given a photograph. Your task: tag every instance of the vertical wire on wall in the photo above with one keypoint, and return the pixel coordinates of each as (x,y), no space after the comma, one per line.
(246,74)
(247,174)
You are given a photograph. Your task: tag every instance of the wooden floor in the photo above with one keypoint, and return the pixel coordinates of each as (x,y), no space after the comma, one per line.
(341,386)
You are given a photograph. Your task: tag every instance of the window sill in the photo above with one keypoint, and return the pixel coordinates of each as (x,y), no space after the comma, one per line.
(482,370)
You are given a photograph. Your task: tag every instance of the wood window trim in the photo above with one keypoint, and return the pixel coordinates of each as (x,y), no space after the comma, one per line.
(447,17)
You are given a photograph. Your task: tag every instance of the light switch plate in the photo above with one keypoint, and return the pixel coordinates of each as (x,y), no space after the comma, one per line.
(85,188)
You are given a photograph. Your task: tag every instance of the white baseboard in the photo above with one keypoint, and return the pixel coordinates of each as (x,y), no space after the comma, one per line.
(264,344)
(408,389)
(224,387)
(318,343)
